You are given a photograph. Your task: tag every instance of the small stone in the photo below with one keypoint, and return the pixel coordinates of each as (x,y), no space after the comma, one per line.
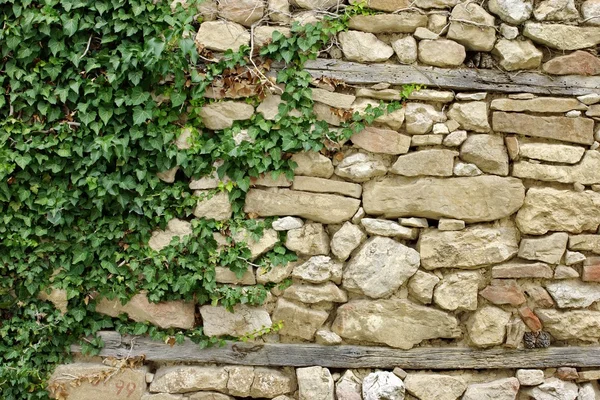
(425,34)
(348,387)
(571,325)
(588,391)
(364,47)
(185,379)
(267,241)
(225,275)
(435,162)
(383,385)
(556,10)
(573,114)
(455,139)
(382,227)
(222,35)
(554,388)
(458,291)
(313,164)
(522,96)
(319,269)
(539,296)
(516,55)
(591,273)
(421,117)
(501,292)
(440,129)
(438,23)
(385,141)
(360,214)
(512,11)
(447,224)
(312,294)
(168,176)
(315,4)
(567,373)
(218,321)
(590,10)
(414,222)
(298,321)
(574,293)
(287,223)
(548,249)
(360,167)
(514,333)
(479,36)
(434,96)
(244,12)
(175,228)
(434,386)
(515,270)
(346,240)
(487,326)
(310,240)
(58,297)
(487,152)
(270,382)
(426,140)
(586,376)
(471,96)
(333,99)
(279,10)
(441,53)
(538,104)
(507,31)
(589,99)
(328,338)
(216,207)
(502,389)
(314,383)
(472,116)
(222,114)
(530,377)
(421,286)
(572,257)
(320,185)
(512,146)
(564,272)
(401,22)
(576,63)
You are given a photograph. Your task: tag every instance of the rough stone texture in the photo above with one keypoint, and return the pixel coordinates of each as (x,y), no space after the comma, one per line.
(314,4)
(503,291)
(434,386)
(133,379)
(426,140)
(58,297)
(267,241)
(591,273)
(169,314)
(319,269)
(313,164)
(551,152)
(384,5)
(435,3)
(332,209)
(487,152)
(402,22)
(397,323)
(556,10)
(185,379)
(436,96)
(361,167)
(315,383)
(562,37)
(348,387)
(587,172)
(573,293)
(382,385)
(471,116)
(279,11)
(421,286)
(326,337)
(554,388)
(239,380)
(414,222)
(364,47)
(320,185)
(380,267)
(346,240)
(466,169)
(576,63)
(571,325)
(538,105)
(441,53)
(222,35)
(384,141)
(217,321)
(590,10)
(564,272)
(487,326)
(244,12)
(310,240)
(480,37)
(210,396)
(220,115)
(588,391)
(333,99)
(216,207)
(299,321)
(435,162)
(271,382)
(311,294)
(512,11)
(406,50)
(287,223)
(548,249)
(382,227)
(522,270)
(585,243)
(530,377)
(474,247)
(274,274)
(502,389)
(471,199)
(175,228)
(225,275)
(162,396)
(446,224)
(455,138)
(421,117)
(458,291)
(548,209)
(392,120)
(575,130)
(514,55)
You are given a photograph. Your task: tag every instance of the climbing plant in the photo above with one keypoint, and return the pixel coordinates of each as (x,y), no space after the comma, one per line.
(94,96)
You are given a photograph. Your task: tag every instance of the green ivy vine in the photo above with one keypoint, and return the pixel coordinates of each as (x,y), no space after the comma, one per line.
(94,96)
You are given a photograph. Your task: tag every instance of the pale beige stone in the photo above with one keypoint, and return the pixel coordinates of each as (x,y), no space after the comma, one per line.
(271,382)
(549,249)
(406,50)
(315,4)
(447,224)
(384,5)
(587,172)
(348,387)
(396,323)
(574,293)
(216,207)
(590,10)
(364,47)
(538,105)
(346,240)
(275,274)
(361,167)
(311,294)
(298,321)
(434,162)
(434,386)
(556,10)
(244,12)
(313,164)
(480,35)
(472,199)
(472,116)
(315,383)
(441,53)
(225,275)
(320,185)
(279,10)
(382,227)
(265,243)
(319,269)
(562,37)
(512,11)
(458,291)
(571,325)
(551,152)
(58,297)
(310,240)
(218,321)
(222,114)
(421,117)
(421,286)
(501,389)
(175,228)
(333,99)
(185,379)
(210,396)
(426,140)
(487,326)
(519,269)
(384,141)
(402,22)
(222,35)
(431,95)
(487,152)
(585,243)
(514,55)
(530,377)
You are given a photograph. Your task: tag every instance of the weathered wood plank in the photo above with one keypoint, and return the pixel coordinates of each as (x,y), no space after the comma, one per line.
(302,355)
(458,79)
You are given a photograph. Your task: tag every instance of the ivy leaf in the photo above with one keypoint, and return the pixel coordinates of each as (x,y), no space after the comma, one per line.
(105,114)
(177,98)
(138,96)
(70,25)
(140,115)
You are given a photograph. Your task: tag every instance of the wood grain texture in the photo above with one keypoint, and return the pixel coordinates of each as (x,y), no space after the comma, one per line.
(302,355)
(469,79)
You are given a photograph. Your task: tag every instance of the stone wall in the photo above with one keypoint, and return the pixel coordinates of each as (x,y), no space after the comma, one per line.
(463,219)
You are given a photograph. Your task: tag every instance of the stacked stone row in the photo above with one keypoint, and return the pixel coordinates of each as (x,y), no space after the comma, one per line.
(509,34)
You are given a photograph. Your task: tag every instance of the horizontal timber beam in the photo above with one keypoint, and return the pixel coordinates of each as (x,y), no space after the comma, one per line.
(469,79)
(303,355)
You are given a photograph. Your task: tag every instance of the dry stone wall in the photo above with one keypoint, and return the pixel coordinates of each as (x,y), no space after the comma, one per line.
(463,219)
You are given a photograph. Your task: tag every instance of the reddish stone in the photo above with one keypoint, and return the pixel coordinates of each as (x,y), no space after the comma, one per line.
(503,292)
(540,296)
(577,63)
(530,319)
(567,374)
(591,273)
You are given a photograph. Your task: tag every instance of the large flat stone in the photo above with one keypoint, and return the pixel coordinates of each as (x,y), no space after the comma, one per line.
(574,293)
(320,185)
(397,323)
(562,37)
(434,162)
(298,320)
(471,199)
(222,35)
(364,47)
(574,130)
(325,208)
(384,141)
(587,172)
(218,321)
(187,378)
(585,243)
(576,63)
(551,152)
(402,22)
(472,248)
(538,105)
(548,209)
(571,325)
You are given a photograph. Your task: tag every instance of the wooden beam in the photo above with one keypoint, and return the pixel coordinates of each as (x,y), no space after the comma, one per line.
(302,355)
(469,79)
